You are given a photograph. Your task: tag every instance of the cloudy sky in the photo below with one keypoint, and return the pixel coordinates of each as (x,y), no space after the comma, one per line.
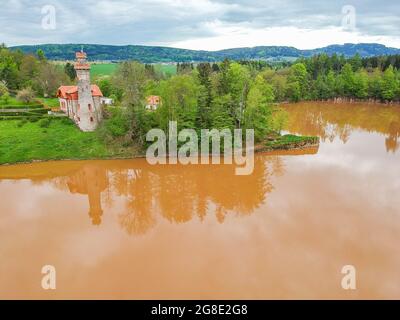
(201,24)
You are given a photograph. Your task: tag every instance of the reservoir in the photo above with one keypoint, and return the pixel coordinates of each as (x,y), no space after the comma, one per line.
(125,229)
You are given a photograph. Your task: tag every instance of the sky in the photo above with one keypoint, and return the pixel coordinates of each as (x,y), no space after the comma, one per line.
(201,24)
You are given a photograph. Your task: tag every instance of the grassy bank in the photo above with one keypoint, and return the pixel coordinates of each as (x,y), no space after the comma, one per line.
(289,141)
(59,139)
(53,140)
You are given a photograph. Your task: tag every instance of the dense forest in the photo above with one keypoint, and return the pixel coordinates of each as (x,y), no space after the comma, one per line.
(153,54)
(229,94)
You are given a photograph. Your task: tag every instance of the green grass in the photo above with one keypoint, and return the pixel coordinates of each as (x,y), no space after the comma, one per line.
(49,102)
(14,102)
(103,69)
(107,69)
(290,141)
(22,141)
(167,69)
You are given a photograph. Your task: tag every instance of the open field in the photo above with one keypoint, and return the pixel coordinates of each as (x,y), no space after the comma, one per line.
(103,69)
(106,69)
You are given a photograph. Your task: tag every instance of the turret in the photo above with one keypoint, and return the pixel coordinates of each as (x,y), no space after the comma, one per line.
(88,113)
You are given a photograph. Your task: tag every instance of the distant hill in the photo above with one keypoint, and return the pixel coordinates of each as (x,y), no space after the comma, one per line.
(153,54)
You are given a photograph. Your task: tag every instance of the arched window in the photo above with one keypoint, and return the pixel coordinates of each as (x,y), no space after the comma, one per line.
(91,119)
(90,107)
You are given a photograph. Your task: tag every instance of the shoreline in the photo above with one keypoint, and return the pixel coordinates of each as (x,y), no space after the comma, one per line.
(345,101)
(295,146)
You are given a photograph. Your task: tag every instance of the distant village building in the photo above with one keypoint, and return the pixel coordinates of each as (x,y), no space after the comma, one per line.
(106,101)
(152,102)
(82,103)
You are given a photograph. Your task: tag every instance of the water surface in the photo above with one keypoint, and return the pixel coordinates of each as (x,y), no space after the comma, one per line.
(126,229)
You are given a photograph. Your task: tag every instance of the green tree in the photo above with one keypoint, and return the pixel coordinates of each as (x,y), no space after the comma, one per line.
(49,79)
(258,112)
(8,69)
(41,56)
(105,86)
(205,95)
(69,69)
(388,84)
(130,78)
(361,84)
(238,84)
(293,91)
(374,84)
(298,81)
(179,96)
(347,77)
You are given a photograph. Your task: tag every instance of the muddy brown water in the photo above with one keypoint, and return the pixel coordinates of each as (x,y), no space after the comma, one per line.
(126,229)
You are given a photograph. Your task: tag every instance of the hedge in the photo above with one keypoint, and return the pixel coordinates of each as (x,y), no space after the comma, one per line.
(26,113)
(33,106)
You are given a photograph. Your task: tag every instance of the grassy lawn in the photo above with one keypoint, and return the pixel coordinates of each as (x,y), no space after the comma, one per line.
(103,69)
(49,102)
(12,101)
(60,140)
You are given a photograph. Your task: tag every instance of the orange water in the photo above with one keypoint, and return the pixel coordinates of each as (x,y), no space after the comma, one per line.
(126,229)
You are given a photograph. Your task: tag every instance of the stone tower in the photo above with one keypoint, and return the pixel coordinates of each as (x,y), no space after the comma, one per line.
(88,110)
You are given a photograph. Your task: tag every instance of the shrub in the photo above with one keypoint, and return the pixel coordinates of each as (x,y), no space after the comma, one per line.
(3,90)
(31,106)
(34,119)
(21,123)
(44,123)
(26,95)
(5,98)
(116,125)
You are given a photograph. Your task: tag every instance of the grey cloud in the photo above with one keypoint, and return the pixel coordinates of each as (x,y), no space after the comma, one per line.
(167,21)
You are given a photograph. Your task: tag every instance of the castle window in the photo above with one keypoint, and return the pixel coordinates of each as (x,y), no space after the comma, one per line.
(91,119)
(90,107)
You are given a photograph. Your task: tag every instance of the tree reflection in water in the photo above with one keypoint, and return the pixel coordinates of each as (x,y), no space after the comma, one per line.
(175,193)
(328,121)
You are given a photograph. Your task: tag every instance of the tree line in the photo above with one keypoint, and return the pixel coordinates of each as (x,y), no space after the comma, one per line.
(30,74)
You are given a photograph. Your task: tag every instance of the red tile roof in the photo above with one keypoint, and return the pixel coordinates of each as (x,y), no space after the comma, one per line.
(153,99)
(71,92)
(80,55)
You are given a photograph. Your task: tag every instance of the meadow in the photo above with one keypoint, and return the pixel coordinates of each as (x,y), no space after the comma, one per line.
(53,139)
(107,69)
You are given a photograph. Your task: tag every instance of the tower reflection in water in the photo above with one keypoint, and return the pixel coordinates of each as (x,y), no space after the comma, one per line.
(90,180)
(176,193)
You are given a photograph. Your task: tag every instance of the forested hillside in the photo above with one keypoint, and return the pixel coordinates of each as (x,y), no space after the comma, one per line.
(149,54)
